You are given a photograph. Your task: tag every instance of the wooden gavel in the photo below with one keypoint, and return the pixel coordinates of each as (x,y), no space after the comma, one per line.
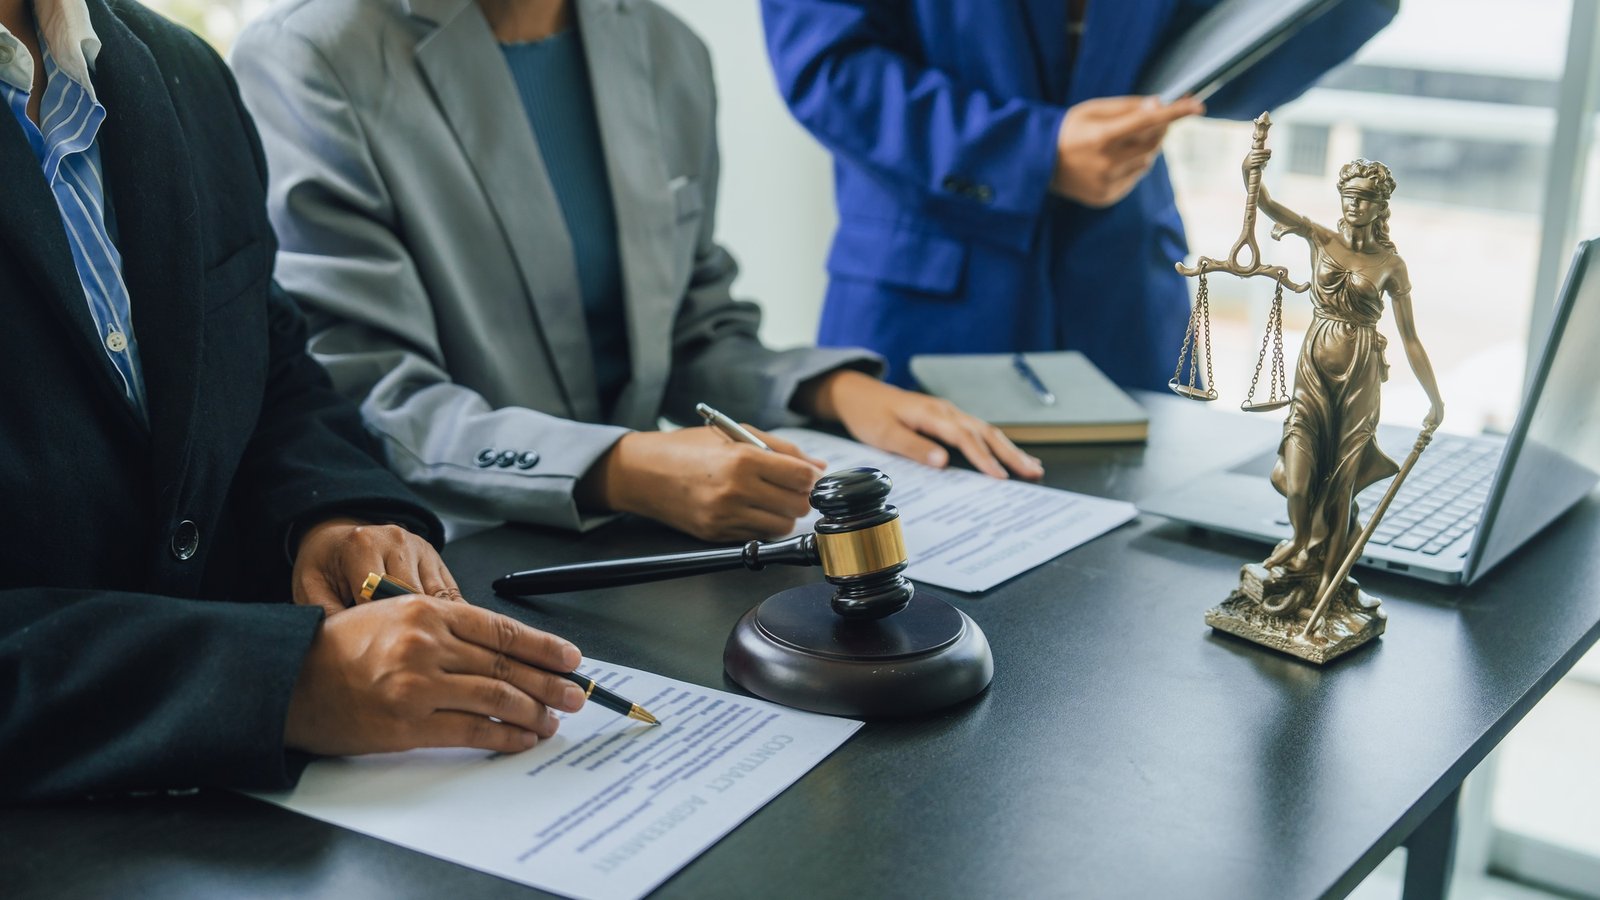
(858,543)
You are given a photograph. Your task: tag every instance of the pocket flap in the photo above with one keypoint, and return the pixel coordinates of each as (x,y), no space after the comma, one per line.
(910,259)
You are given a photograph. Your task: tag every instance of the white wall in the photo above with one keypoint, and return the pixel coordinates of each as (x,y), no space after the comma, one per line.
(776,212)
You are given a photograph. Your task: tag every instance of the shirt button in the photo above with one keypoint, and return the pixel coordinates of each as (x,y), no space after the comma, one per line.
(983,193)
(185,540)
(6,54)
(506,458)
(116,342)
(528,459)
(485,457)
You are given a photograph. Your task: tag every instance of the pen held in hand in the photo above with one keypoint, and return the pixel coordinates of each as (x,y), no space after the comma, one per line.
(728,426)
(609,699)
(381,587)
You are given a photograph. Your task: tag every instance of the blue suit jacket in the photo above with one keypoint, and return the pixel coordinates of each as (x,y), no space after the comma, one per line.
(942,118)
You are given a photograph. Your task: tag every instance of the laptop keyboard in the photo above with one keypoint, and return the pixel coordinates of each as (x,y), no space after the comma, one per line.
(1442,499)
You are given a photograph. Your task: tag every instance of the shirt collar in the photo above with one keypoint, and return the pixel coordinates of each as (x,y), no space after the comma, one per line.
(65,28)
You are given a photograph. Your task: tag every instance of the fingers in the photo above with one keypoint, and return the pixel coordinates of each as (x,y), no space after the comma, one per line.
(1019,461)
(315,592)
(984,446)
(789,473)
(437,581)
(900,438)
(545,687)
(448,728)
(1147,115)
(503,634)
(1111,107)
(1130,170)
(753,522)
(765,497)
(966,437)
(787,448)
(491,697)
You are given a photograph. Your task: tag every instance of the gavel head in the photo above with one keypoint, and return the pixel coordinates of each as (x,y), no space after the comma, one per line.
(859,540)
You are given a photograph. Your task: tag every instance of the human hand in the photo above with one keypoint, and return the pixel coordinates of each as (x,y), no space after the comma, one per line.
(1106,144)
(1254,161)
(902,422)
(700,481)
(1435,416)
(336,555)
(419,671)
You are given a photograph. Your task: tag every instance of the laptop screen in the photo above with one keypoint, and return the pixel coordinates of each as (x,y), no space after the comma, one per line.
(1553,452)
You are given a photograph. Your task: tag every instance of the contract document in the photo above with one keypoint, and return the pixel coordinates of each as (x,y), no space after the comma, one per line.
(606,810)
(964,530)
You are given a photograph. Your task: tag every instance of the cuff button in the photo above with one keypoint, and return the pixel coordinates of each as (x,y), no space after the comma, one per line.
(485,457)
(185,540)
(528,459)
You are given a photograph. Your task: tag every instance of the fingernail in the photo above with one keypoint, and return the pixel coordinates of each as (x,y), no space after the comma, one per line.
(1151,102)
(570,656)
(553,720)
(572,697)
(936,458)
(529,739)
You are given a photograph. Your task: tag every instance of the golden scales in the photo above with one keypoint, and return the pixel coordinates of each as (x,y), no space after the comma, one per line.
(1197,339)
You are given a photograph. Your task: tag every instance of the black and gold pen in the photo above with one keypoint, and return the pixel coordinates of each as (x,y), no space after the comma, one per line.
(380,587)
(610,699)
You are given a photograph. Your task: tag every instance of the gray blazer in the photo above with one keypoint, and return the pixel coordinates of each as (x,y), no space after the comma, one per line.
(420,229)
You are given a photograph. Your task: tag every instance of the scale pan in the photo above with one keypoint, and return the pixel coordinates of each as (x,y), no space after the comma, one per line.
(1264,406)
(1193,393)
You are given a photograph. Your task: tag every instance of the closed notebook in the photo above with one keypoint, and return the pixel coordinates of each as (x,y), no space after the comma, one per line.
(1089,407)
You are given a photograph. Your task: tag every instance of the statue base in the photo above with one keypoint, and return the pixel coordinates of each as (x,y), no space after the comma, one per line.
(1270,607)
(794,650)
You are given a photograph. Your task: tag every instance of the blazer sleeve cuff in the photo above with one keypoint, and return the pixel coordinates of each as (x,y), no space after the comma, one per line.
(812,363)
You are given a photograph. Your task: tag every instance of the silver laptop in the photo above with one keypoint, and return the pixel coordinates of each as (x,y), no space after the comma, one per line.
(1469,501)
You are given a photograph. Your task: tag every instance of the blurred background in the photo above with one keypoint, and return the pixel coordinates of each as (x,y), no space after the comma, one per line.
(1485,111)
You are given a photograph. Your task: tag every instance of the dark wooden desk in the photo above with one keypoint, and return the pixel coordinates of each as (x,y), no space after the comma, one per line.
(1123,750)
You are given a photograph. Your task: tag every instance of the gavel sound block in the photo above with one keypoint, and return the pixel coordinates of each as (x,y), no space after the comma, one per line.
(865,643)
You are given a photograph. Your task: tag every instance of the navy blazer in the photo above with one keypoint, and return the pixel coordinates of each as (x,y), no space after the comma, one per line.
(942,118)
(122,665)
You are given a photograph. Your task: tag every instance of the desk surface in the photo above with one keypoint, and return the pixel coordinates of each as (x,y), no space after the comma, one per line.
(1123,749)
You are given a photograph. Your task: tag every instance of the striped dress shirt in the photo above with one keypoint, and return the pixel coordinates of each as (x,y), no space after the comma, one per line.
(64,143)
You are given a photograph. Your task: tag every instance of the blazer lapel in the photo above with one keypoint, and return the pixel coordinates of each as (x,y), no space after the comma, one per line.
(147,173)
(1045,30)
(30,224)
(473,87)
(621,78)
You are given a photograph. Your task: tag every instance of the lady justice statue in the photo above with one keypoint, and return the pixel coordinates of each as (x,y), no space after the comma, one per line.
(1300,599)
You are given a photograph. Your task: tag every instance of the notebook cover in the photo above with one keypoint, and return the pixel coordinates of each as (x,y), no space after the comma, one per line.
(1089,407)
(1225,43)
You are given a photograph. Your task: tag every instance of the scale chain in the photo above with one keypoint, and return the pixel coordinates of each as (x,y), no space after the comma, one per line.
(1205,298)
(1191,335)
(1282,380)
(1277,383)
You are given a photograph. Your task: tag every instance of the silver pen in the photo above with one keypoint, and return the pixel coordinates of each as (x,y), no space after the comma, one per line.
(1019,363)
(728,426)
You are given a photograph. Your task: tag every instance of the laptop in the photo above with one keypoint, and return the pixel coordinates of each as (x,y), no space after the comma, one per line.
(1469,501)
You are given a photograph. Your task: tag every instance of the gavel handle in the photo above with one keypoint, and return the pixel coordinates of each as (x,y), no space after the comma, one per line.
(755,555)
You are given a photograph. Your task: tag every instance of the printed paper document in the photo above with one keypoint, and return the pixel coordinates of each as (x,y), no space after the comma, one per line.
(606,810)
(966,531)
